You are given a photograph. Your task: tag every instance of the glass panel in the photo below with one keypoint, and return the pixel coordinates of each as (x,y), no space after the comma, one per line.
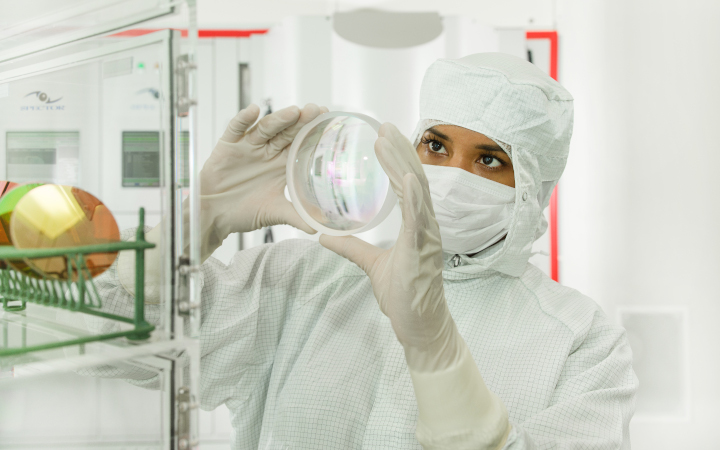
(110,406)
(101,120)
(100,115)
(33,25)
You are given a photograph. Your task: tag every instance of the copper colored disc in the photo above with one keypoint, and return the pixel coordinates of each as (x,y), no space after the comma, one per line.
(5,186)
(53,216)
(11,195)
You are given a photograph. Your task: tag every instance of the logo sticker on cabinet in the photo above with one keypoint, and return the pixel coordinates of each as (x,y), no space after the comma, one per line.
(47,102)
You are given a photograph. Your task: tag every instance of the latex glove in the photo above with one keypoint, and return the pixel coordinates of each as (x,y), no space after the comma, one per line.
(242,188)
(455,406)
(407,278)
(242,184)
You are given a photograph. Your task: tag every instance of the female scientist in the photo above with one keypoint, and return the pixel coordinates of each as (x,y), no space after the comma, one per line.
(471,347)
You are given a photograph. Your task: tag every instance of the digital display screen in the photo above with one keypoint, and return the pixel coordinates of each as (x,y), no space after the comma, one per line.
(141,159)
(43,156)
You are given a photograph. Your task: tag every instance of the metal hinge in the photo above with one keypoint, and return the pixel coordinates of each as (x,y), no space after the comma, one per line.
(182,72)
(185,405)
(184,304)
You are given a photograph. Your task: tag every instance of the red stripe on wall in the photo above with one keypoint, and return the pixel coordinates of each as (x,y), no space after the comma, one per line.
(201,33)
(553,225)
(230,33)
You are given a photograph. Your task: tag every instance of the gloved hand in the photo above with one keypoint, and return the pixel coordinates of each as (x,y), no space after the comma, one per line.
(242,188)
(407,282)
(407,278)
(242,184)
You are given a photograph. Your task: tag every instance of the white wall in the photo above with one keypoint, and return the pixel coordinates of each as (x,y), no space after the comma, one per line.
(383,82)
(638,201)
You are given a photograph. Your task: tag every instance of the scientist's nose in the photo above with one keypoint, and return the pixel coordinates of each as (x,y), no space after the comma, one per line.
(461,161)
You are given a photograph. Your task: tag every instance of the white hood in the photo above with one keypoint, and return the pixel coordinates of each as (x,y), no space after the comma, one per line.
(512,102)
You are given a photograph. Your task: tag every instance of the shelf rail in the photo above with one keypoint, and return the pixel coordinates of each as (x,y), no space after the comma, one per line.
(78,293)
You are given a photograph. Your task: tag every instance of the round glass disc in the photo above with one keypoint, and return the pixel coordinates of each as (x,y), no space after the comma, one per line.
(335,181)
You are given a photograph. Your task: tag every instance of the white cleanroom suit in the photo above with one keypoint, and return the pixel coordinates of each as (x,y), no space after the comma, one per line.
(293,341)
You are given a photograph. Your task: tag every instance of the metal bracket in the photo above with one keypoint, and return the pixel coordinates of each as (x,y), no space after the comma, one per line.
(185,405)
(185,306)
(182,72)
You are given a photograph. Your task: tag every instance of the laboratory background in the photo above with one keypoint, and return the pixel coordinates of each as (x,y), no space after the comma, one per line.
(633,222)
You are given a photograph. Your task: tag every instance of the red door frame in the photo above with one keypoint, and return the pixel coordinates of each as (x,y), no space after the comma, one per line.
(553,225)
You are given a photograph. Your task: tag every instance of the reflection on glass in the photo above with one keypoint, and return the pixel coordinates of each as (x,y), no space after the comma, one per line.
(9,200)
(53,216)
(336,176)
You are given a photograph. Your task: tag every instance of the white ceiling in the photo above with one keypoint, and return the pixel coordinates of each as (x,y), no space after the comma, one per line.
(503,13)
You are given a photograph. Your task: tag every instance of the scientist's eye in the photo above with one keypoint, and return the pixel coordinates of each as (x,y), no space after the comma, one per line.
(434,146)
(490,161)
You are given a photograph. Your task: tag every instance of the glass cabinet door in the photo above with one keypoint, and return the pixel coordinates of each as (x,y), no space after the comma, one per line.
(112,117)
(36,25)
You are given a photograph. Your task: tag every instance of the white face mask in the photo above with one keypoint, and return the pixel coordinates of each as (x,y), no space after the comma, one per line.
(473,212)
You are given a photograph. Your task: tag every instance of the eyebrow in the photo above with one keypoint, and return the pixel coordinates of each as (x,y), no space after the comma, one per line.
(439,134)
(488,147)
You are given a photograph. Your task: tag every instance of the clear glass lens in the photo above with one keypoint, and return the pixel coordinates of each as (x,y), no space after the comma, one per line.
(337,177)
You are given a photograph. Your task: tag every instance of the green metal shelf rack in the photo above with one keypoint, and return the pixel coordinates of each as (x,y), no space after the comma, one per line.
(80,295)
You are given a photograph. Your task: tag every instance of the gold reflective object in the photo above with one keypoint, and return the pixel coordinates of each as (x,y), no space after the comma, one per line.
(11,195)
(53,216)
(5,186)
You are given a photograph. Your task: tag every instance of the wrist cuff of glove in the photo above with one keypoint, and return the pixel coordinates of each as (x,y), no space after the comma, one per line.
(457,410)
